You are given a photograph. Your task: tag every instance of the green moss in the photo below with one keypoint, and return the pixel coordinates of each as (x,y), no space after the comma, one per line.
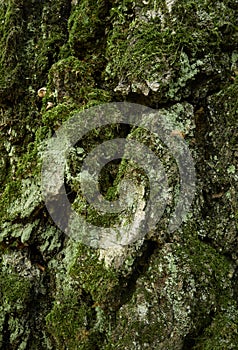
(15,295)
(9,194)
(47,28)
(151,53)
(68,77)
(68,320)
(186,284)
(24,60)
(11,34)
(79,318)
(204,260)
(221,158)
(15,290)
(76,325)
(55,117)
(93,276)
(222,333)
(86,26)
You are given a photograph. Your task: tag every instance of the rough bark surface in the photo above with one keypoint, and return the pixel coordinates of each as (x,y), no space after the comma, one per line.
(168,290)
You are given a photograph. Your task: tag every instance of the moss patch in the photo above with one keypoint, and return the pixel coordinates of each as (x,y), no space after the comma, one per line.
(152,49)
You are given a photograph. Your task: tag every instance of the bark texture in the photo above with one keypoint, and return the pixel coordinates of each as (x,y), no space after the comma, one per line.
(175,290)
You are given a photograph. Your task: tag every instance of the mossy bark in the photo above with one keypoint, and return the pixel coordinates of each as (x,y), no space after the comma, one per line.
(168,290)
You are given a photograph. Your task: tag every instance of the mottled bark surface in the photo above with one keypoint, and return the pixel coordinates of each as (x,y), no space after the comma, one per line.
(174,290)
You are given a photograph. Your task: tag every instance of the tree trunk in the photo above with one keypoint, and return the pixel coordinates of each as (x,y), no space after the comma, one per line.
(168,280)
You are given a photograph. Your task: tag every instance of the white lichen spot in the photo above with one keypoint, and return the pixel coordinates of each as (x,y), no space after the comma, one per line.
(153,85)
(170,4)
(142,310)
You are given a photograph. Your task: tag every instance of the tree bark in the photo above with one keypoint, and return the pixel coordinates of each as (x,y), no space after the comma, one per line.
(174,65)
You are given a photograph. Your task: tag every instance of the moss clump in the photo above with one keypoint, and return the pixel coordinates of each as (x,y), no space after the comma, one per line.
(12,39)
(221,334)
(55,117)
(70,320)
(97,280)
(153,50)
(80,314)
(87,26)
(186,287)
(47,33)
(212,274)
(9,194)
(15,297)
(15,290)
(68,78)
(220,170)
